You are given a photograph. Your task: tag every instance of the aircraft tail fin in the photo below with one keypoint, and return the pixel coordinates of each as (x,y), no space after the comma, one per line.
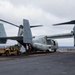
(27,35)
(2,34)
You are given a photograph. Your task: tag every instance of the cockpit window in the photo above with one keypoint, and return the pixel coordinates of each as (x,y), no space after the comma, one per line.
(49,42)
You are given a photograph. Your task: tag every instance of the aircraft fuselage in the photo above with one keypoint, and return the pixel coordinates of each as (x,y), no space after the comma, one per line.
(42,43)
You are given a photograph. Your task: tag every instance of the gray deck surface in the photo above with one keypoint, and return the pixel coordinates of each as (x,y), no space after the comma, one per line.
(50,64)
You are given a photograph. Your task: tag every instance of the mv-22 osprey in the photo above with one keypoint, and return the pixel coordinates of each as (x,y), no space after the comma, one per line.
(25,38)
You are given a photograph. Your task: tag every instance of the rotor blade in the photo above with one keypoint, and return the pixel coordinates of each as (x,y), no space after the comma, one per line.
(70,22)
(36,26)
(9,23)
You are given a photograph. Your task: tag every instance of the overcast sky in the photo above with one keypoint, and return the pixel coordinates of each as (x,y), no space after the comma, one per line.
(45,12)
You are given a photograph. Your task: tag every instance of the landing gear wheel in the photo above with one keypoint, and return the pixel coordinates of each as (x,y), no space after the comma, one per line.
(47,51)
(54,50)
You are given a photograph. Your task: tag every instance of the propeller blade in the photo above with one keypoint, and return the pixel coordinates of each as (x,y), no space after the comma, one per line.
(9,23)
(36,26)
(20,25)
(70,22)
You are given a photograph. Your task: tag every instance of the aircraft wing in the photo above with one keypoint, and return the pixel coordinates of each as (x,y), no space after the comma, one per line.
(18,38)
(67,35)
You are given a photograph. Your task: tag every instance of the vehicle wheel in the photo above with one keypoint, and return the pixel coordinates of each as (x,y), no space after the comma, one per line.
(18,53)
(0,54)
(7,53)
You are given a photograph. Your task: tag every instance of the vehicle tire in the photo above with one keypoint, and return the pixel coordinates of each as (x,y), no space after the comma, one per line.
(18,53)
(7,53)
(0,54)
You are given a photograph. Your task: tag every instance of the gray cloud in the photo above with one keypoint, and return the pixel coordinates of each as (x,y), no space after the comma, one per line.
(61,8)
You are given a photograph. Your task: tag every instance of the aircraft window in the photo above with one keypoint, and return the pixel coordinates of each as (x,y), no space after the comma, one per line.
(49,42)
